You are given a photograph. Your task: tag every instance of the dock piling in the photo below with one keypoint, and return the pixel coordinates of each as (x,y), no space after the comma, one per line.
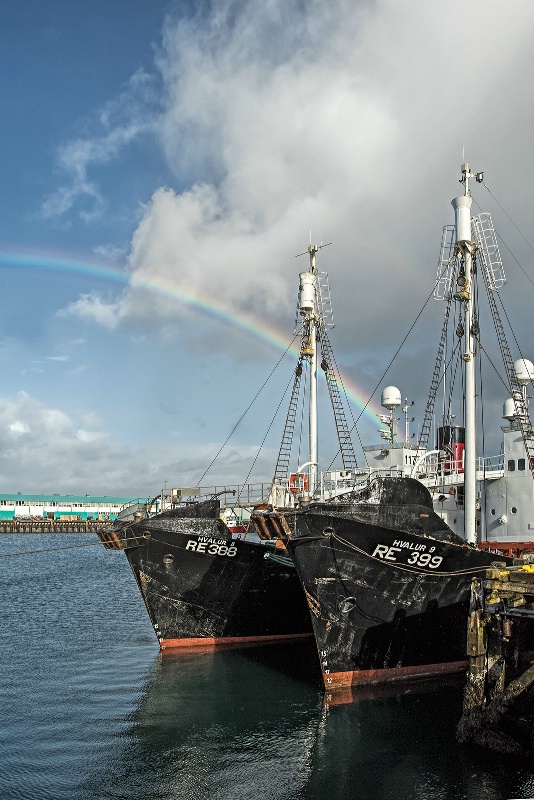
(498,707)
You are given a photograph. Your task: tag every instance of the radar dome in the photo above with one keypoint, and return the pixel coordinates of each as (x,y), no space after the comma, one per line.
(391,397)
(524,370)
(508,409)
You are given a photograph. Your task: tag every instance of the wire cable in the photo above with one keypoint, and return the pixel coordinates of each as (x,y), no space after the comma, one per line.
(262,387)
(267,433)
(527,276)
(410,329)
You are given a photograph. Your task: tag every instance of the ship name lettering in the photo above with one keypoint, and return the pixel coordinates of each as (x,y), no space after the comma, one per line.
(425,560)
(408,545)
(210,539)
(213,548)
(416,558)
(386,552)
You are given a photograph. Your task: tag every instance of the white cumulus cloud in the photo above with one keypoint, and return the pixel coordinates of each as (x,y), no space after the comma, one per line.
(344,119)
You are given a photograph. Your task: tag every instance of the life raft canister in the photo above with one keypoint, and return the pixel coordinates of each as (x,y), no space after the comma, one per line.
(298,482)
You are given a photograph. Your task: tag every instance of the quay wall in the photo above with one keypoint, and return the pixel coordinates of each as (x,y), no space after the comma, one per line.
(53,526)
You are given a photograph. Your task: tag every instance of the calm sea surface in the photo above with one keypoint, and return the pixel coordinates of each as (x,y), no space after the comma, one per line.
(89,709)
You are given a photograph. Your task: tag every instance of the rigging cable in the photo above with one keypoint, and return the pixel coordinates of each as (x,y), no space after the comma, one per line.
(339,379)
(498,296)
(267,433)
(484,499)
(527,276)
(399,348)
(444,402)
(447,402)
(262,387)
(502,380)
(448,392)
(301,429)
(509,325)
(477,338)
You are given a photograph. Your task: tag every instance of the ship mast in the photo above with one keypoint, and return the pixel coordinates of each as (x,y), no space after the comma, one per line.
(314,309)
(308,306)
(466,248)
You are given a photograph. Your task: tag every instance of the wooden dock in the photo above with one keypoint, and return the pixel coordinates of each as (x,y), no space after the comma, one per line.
(498,711)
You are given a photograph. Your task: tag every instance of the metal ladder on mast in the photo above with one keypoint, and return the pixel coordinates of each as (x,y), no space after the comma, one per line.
(329,367)
(494,278)
(281,472)
(325,321)
(346,447)
(442,291)
(436,380)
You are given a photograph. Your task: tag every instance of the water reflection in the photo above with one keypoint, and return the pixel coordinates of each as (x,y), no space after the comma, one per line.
(244,724)
(91,711)
(218,725)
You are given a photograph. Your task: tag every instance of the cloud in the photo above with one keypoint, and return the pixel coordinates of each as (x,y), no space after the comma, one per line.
(17,428)
(346,119)
(122,122)
(90,436)
(44,449)
(92,307)
(112,253)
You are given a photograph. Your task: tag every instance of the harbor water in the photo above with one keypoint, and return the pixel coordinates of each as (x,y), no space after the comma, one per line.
(91,710)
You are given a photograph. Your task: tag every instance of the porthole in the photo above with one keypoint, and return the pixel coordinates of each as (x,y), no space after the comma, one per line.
(492,512)
(328,531)
(513,510)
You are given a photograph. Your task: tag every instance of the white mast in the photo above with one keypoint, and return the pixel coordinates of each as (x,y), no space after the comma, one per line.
(466,249)
(312,250)
(309,310)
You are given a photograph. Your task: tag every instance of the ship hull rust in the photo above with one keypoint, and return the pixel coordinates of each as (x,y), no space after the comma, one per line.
(205,587)
(387,584)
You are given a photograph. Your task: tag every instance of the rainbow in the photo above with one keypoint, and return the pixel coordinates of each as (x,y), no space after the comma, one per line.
(206,305)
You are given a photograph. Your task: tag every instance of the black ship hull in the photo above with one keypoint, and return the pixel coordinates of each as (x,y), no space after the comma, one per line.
(204,587)
(387,584)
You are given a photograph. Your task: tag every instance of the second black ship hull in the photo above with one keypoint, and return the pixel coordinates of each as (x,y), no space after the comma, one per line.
(205,587)
(387,584)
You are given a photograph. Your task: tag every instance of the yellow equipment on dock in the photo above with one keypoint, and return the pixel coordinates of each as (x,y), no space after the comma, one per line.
(499,693)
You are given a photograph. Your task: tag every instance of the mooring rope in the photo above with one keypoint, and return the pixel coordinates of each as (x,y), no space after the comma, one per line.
(67,547)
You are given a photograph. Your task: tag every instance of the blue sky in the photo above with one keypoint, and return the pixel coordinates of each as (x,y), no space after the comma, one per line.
(154,152)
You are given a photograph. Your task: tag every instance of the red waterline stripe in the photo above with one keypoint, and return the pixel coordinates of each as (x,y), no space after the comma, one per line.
(363,677)
(207,642)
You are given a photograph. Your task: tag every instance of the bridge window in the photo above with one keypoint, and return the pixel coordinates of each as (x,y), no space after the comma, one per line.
(521,464)
(511,465)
